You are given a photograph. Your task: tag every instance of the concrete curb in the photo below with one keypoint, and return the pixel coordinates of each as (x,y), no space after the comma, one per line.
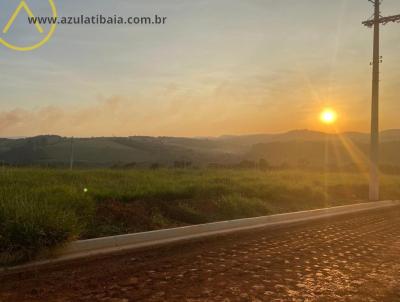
(108,245)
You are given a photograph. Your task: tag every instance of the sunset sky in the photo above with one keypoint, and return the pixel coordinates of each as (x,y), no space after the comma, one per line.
(217,67)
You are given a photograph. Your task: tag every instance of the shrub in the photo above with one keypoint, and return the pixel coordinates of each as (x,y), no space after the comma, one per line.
(28,227)
(237,206)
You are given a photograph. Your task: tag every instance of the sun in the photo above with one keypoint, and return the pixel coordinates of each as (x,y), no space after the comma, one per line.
(328,116)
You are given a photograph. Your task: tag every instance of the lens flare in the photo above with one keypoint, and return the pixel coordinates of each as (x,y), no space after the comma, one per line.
(328,116)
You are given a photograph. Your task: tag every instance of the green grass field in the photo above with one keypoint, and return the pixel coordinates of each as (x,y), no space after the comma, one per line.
(44,208)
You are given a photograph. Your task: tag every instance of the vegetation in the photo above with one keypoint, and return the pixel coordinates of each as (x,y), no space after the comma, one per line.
(44,208)
(297,149)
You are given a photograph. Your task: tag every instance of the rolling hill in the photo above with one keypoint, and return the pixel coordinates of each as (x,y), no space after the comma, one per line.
(294,148)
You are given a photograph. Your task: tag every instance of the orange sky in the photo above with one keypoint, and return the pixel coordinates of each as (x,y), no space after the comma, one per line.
(224,67)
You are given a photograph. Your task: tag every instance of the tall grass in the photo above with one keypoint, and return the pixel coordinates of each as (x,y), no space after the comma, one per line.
(43,208)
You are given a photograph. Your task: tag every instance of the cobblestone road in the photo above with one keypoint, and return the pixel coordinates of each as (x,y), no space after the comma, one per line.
(352,258)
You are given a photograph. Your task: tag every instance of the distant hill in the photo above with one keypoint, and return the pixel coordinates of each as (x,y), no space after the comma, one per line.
(307,135)
(294,148)
(111,151)
(315,149)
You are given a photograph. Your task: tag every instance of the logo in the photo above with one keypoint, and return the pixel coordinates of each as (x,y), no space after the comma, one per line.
(43,37)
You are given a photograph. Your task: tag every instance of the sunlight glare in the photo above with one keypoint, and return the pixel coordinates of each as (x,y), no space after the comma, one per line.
(328,116)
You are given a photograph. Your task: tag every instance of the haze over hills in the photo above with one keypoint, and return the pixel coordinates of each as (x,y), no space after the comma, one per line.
(295,148)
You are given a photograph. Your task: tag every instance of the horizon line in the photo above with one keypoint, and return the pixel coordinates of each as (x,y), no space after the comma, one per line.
(196,136)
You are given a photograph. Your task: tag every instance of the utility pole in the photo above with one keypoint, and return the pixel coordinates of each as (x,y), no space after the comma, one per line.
(71,157)
(374,147)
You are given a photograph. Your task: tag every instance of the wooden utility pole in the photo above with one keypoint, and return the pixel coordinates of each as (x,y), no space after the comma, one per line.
(374,147)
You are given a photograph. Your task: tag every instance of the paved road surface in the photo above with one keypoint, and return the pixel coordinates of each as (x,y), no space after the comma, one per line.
(352,258)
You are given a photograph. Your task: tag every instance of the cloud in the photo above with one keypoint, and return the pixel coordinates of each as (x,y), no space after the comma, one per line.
(10,119)
(269,102)
(226,107)
(102,117)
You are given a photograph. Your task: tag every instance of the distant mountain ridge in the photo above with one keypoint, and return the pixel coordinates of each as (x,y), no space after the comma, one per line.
(298,147)
(386,135)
